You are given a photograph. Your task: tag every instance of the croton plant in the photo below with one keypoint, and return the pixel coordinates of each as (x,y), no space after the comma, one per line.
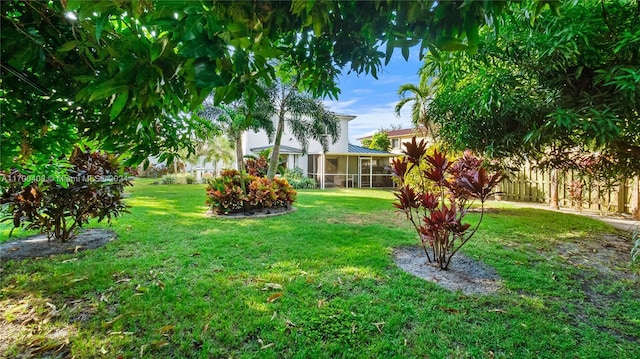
(439,200)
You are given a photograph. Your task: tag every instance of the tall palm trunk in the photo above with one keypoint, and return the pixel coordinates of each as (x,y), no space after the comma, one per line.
(240,164)
(275,153)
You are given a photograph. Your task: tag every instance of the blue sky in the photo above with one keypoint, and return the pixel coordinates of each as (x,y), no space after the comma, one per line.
(373,101)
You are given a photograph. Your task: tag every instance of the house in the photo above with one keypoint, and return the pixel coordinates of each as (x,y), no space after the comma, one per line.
(343,165)
(398,137)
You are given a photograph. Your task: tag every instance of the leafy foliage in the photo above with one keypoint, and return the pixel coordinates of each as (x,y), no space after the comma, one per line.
(233,120)
(305,116)
(437,206)
(168,179)
(93,188)
(225,194)
(257,166)
(568,86)
(298,180)
(379,141)
(420,95)
(124,73)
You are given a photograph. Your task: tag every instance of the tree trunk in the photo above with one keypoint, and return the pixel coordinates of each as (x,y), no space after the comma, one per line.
(275,153)
(240,164)
(635,198)
(553,201)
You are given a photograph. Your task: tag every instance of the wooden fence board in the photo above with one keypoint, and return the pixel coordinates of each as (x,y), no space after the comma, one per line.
(534,185)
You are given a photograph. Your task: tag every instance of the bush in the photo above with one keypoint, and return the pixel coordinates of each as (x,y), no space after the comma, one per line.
(178,179)
(257,167)
(93,188)
(168,179)
(298,180)
(224,193)
(438,223)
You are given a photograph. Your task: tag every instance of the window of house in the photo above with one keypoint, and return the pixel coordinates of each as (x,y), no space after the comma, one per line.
(395,143)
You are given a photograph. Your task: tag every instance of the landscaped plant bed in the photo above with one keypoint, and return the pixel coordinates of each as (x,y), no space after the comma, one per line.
(233,193)
(40,246)
(255,213)
(466,274)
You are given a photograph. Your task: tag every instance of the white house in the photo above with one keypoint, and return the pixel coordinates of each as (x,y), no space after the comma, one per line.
(343,165)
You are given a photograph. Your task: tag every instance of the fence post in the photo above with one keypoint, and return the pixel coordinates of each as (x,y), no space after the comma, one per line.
(635,198)
(553,200)
(622,195)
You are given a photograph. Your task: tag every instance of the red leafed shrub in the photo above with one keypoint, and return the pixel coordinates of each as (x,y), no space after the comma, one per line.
(92,188)
(576,194)
(286,193)
(224,193)
(437,205)
(257,167)
(262,193)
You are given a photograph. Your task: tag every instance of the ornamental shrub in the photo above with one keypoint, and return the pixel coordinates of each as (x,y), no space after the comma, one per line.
(297,179)
(168,179)
(438,203)
(257,167)
(93,188)
(224,193)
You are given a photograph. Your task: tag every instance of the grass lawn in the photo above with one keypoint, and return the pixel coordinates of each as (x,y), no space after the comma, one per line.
(319,282)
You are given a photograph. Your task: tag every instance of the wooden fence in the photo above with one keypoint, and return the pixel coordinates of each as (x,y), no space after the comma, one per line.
(534,185)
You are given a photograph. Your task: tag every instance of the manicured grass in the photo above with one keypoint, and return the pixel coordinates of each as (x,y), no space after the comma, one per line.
(319,282)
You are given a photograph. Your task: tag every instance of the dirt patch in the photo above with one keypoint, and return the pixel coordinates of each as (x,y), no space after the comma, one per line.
(40,246)
(464,274)
(256,213)
(608,255)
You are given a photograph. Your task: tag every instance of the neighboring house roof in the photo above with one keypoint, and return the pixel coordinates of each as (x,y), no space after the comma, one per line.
(283,149)
(353,149)
(403,132)
(400,133)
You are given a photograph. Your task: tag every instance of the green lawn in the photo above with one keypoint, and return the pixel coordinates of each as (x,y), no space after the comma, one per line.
(319,282)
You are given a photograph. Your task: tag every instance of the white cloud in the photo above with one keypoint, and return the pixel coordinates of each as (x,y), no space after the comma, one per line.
(373,101)
(370,119)
(363,91)
(340,106)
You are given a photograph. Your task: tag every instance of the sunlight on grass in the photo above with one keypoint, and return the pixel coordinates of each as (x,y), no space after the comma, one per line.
(316,283)
(359,272)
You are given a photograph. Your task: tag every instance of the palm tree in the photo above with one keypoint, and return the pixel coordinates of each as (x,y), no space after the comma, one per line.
(233,120)
(306,116)
(420,95)
(211,150)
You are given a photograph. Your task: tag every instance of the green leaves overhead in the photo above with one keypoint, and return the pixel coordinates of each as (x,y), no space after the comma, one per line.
(569,83)
(122,73)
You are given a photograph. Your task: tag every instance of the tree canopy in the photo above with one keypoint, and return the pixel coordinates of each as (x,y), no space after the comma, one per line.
(306,117)
(122,74)
(379,141)
(567,88)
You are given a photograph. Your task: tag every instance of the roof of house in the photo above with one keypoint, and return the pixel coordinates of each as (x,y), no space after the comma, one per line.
(364,150)
(345,116)
(399,133)
(402,132)
(283,149)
